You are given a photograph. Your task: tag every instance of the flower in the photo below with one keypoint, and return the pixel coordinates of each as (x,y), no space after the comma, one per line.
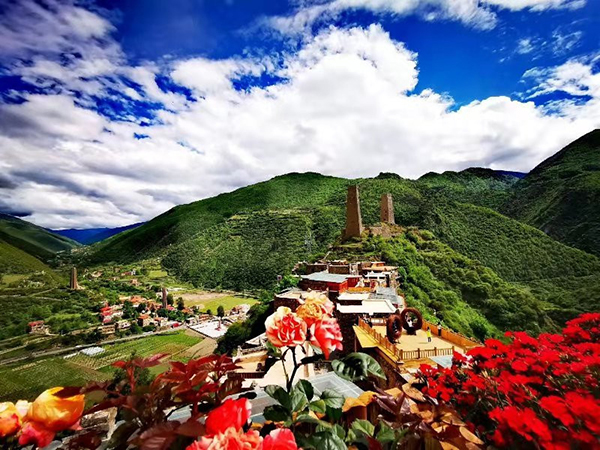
(280,439)
(9,419)
(326,335)
(310,312)
(231,439)
(285,328)
(231,414)
(55,413)
(35,433)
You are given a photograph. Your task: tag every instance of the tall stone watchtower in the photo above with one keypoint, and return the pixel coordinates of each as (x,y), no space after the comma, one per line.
(164,297)
(354,226)
(73,284)
(387,209)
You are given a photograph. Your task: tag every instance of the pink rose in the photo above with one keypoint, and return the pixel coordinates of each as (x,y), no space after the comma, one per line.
(326,335)
(285,328)
(280,439)
(231,439)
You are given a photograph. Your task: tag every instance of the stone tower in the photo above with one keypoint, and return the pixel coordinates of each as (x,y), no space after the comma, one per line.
(164,297)
(73,283)
(354,226)
(387,209)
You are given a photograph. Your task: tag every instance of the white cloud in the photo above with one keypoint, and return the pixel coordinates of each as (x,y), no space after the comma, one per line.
(343,104)
(476,13)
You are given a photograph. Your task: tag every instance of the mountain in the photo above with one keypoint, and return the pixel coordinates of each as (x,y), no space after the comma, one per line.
(499,268)
(561,195)
(15,261)
(87,236)
(34,240)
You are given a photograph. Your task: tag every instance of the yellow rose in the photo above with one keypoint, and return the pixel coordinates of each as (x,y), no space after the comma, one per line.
(9,419)
(56,413)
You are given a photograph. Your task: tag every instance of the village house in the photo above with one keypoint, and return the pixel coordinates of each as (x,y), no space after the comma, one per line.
(333,283)
(122,325)
(38,327)
(144,320)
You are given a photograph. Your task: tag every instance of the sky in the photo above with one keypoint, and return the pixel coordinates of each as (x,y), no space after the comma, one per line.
(112,112)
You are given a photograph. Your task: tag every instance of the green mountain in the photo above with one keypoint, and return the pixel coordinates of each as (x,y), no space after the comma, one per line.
(500,272)
(30,238)
(15,261)
(562,194)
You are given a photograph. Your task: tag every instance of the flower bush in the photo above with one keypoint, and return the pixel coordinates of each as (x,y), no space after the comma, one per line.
(530,392)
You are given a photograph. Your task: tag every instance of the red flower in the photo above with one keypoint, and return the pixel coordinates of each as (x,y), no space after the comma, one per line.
(280,439)
(326,335)
(558,408)
(231,414)
(35,433)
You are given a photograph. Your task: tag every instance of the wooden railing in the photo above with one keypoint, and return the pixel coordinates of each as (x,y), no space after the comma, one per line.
(451,336)
(400,354)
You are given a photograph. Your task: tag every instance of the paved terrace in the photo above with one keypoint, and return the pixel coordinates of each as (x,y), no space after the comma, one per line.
(413,347)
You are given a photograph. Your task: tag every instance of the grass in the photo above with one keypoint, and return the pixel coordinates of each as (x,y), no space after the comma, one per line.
(228,303)
(12,278)
(157,274)
(26,380)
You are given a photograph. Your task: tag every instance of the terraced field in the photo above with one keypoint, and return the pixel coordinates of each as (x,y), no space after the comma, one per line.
(27,380)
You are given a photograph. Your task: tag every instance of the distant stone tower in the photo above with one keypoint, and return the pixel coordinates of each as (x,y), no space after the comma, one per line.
(164,297)
(387,209)
(73,283)
(354,226)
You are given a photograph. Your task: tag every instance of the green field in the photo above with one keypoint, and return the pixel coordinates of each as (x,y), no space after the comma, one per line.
(12,278)
(227,302)
(157,274)
(27,380)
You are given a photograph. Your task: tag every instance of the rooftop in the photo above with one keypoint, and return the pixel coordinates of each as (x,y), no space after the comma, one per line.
(368,307)
(328,277)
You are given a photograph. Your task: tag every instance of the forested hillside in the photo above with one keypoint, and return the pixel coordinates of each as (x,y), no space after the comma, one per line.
(562,194)
(32,239)
(244,239)
(16,261)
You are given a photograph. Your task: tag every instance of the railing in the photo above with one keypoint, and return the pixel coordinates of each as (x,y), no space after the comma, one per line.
(400,354)
(451,336)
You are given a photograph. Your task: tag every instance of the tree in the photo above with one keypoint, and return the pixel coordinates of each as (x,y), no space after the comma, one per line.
(180,304)
(209,312)
(129,311)
(135,328)
(220,311)
(170,299)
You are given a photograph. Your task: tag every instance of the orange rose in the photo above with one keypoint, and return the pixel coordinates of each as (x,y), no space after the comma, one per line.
(320,299)
(285,328)
(231,414)
(231,439)
(35,433)
(310,312)
(56,413)
(326,335)
(9,419)
(280,439)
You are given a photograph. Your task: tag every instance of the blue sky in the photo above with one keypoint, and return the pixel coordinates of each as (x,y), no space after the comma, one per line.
(112,112)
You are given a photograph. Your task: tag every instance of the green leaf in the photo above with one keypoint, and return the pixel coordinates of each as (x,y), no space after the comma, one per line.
(332,399)
(279,394)
(307,388)
(305,418)
(357,367)
(334,414)
(339,431)
(385,434)
(276,413)
(298,400)
(363,426)
(318,406)
(329,441)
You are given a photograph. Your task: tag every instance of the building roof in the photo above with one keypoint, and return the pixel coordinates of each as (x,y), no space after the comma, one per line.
(347,296)
(327,277)
(368,307)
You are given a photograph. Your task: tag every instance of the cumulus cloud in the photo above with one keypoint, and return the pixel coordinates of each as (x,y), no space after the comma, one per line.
(479,14)
(344,104)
